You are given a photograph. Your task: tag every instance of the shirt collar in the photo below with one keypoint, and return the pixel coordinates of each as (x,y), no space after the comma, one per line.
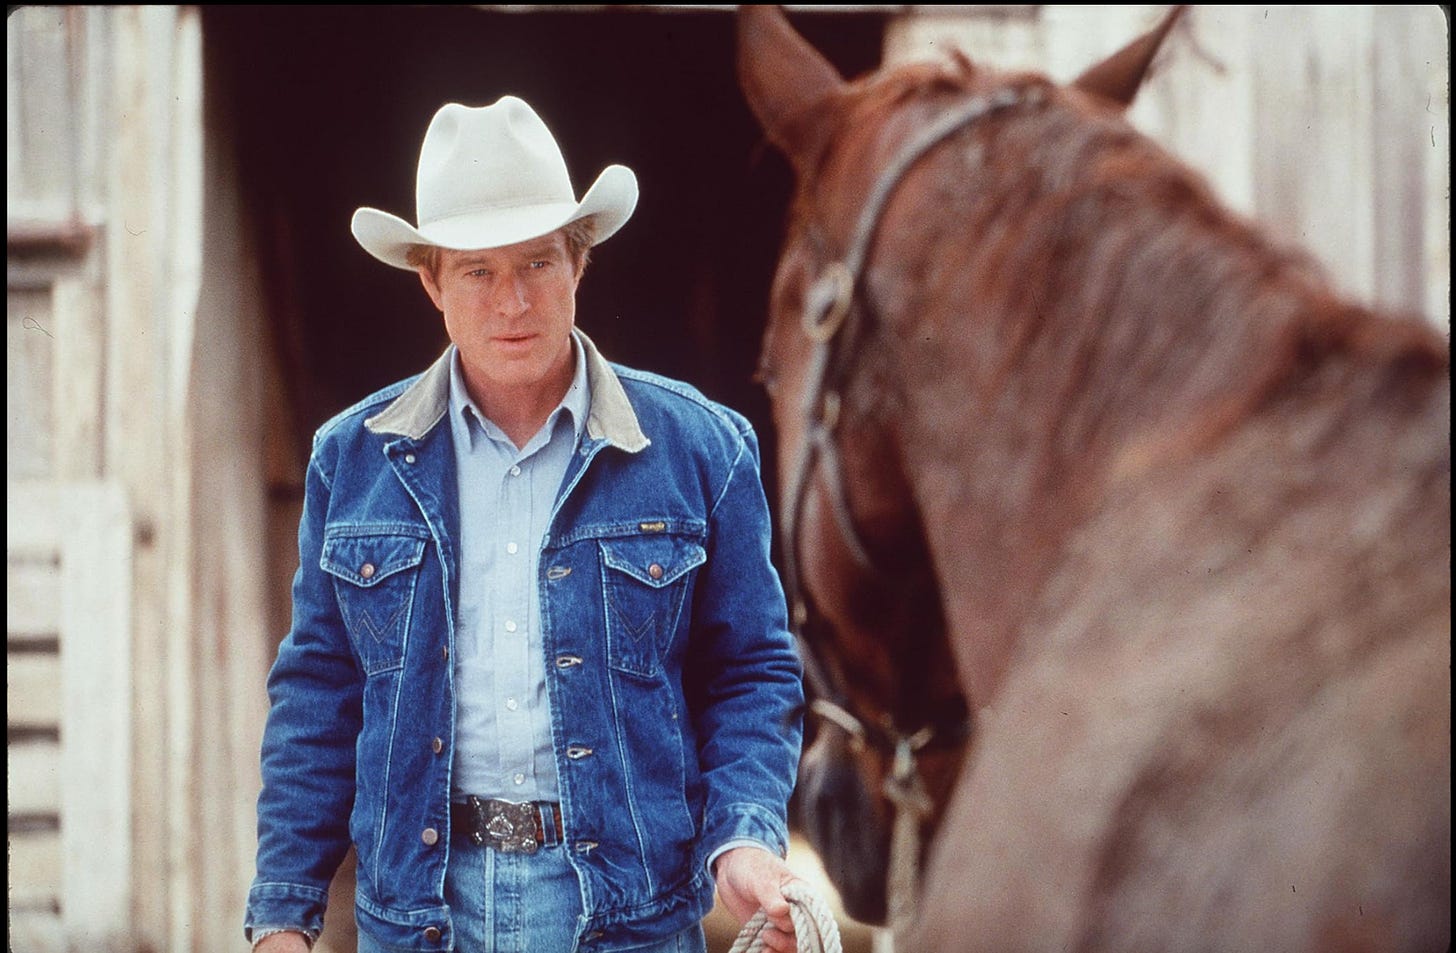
(575,403)
(423,401)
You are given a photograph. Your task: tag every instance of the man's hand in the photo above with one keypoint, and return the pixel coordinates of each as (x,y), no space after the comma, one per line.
(288,942)
(752,879)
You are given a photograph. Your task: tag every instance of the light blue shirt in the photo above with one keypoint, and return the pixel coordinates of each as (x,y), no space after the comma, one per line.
(503,722)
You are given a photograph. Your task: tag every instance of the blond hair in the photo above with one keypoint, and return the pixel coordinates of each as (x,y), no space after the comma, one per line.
(580,235)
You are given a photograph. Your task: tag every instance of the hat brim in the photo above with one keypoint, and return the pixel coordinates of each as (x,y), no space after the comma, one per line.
(610,201)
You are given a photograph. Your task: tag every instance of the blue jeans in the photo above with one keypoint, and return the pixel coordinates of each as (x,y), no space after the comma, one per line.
(521,903)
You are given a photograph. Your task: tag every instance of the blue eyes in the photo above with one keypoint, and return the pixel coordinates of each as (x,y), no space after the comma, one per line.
(537,265)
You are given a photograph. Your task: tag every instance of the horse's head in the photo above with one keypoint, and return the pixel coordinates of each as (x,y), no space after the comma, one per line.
(895,725)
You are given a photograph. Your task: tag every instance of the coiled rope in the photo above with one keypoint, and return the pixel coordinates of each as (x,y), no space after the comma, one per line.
(815,929)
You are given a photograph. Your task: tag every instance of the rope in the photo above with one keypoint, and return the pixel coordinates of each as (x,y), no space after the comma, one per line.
(904,789)
(815,929)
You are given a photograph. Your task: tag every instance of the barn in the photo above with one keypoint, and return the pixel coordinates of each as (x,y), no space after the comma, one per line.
(185,306)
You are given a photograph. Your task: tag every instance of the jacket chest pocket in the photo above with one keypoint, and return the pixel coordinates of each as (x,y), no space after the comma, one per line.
(375,573)
(645,580)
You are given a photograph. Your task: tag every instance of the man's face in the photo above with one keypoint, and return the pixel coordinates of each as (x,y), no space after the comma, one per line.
(510,311)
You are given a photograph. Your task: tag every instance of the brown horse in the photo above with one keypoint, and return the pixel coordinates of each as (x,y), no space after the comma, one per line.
(1067,444)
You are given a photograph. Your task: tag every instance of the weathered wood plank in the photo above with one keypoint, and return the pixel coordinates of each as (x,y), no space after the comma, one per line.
(32,599)
(32,529)
(35,869)
(36,930)
(33,778)
(79,348)
(96,706)
(29,363)
(32,690)
(41,124)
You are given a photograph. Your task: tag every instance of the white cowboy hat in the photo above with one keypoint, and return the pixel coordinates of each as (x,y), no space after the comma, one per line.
(493,176)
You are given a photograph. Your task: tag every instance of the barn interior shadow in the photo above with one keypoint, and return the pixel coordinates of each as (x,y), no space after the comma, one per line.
(326,107)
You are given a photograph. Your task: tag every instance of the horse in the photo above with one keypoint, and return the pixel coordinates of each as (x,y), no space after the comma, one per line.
(1118,542)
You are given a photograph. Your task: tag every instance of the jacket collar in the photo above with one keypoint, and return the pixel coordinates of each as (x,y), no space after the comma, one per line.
(422,405)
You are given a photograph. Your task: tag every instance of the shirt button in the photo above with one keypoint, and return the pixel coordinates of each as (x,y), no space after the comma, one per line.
(437,745)
(511,548)
(409,458)
(367,570)
(510,626)
(445,652)
(519,779)
(432,934)
(511,704)
(430,836)
(515,471)
(655,571)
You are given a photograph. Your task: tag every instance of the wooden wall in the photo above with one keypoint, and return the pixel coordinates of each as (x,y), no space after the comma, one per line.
(134,436)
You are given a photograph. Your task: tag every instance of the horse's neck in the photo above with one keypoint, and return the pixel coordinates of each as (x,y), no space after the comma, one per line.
(1006,473)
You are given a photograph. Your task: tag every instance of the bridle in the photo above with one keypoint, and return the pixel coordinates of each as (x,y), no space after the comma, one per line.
(833,324)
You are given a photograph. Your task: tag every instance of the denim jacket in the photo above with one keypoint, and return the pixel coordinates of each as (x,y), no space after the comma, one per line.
(674,683)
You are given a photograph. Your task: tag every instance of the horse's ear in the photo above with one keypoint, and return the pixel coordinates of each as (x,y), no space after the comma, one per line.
(1119,77)
(784,79)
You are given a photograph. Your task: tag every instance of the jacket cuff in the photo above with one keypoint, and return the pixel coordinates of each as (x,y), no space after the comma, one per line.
(731,845)
(279,907)
(259,934)
(746,822)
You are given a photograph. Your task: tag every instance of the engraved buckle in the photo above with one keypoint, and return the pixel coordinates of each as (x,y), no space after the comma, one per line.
(507,826)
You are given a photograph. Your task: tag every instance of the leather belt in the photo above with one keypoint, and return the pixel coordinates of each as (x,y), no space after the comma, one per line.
(511,827)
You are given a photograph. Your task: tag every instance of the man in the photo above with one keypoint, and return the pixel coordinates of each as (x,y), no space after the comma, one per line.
(539,671)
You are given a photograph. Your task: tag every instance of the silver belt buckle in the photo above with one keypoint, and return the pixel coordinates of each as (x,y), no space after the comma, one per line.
(508,826)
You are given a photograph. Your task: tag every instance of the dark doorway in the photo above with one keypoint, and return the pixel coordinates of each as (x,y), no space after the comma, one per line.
(329,105)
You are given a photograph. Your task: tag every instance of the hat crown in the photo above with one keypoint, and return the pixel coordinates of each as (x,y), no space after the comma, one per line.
(488,177)
(490,157)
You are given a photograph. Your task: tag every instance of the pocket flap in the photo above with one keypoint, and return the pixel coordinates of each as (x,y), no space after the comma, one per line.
(655,560)
(364,557)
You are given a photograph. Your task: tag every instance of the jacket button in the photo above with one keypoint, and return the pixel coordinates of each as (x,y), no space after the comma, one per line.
(432,934)
(655,571)
(430,836)
(445,652)
(367,570)
(409,458)
(437,746)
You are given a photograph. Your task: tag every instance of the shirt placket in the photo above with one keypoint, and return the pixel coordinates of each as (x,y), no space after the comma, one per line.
(513,630)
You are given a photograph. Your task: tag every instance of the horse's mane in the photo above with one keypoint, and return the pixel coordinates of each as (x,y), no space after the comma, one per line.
(1080,234)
